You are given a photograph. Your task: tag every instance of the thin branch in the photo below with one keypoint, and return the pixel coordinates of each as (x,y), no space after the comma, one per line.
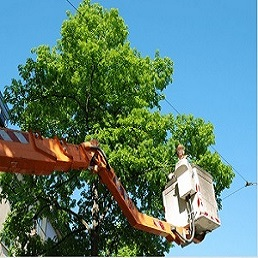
(58,185)
(78,230)
(79,217)
(107,208)
(59,207)
(38,213)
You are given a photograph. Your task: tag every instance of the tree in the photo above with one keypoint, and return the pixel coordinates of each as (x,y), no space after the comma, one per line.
(92,84)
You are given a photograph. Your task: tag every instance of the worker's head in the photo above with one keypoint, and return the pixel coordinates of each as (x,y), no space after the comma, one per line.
(180,150)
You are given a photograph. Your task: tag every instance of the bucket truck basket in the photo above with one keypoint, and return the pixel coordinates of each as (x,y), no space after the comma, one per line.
(192,182)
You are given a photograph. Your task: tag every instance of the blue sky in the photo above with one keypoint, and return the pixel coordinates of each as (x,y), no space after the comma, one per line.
(213,46)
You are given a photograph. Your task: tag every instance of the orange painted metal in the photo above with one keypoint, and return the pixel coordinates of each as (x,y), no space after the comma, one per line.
(137,219)
(30,153)
(41,156)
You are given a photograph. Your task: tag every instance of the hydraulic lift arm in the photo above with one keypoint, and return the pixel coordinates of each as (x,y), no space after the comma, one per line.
(30,153)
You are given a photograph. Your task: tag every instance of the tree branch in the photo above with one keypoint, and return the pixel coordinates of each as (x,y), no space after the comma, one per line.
(78,230)
(107,208)
(58,185)
(79,217)
(59,207)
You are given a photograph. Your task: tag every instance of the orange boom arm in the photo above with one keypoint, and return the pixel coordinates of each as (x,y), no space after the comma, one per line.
(30,153)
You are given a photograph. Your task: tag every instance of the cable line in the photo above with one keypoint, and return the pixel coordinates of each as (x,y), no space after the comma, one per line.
(72,5)
(229,164)
(172,106)
(246,185)
(233,192)
(249,184)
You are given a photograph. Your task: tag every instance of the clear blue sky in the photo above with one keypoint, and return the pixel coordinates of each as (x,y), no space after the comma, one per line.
(213,46)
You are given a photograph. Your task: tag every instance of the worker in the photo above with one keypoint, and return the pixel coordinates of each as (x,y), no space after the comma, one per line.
(180,151)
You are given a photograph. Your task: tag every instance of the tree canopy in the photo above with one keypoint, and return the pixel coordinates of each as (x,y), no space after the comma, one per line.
(92,84)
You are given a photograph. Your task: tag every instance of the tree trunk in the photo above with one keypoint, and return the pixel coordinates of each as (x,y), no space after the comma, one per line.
(95,220)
